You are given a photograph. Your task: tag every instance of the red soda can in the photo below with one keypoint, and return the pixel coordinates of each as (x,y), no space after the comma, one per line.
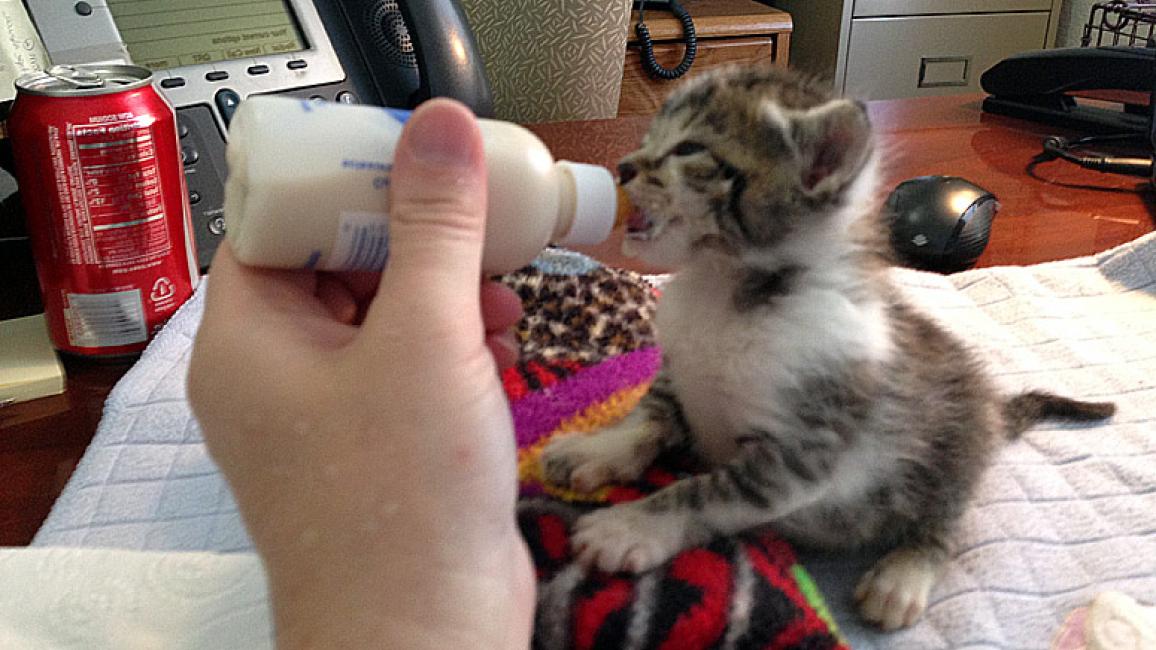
(99,169)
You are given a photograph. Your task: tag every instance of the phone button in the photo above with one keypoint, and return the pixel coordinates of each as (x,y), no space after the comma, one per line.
(189,155)
(216,75)
(82,8)
(258,69)
(297,64)
(227,101)
(346,97)
(172,82)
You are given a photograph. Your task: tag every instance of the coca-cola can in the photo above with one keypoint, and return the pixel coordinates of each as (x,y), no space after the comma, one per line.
(100,175)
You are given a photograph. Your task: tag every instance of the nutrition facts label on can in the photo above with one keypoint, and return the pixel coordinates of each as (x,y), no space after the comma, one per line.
(117,194)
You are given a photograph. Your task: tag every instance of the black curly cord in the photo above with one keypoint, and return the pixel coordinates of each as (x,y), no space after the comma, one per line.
(649,62)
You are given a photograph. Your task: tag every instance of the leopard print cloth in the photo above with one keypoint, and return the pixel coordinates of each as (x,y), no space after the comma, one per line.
(602,313)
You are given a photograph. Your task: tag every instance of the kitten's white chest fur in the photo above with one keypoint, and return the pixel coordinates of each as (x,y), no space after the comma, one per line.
(730,368)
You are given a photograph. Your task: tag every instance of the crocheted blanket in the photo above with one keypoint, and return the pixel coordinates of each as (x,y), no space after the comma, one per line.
(588,358)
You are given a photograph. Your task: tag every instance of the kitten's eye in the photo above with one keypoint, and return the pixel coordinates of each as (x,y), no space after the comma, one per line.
(688,148)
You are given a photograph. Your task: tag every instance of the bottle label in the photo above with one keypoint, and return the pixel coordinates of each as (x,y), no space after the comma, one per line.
(399,114)
(362,242)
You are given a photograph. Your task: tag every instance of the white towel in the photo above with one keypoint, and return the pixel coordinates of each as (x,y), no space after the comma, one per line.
(1066,512)
(105,599)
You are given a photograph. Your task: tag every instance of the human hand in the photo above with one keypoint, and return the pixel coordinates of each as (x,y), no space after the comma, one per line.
(369,444)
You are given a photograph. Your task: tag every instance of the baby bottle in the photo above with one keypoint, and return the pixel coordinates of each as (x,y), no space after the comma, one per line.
(308,184)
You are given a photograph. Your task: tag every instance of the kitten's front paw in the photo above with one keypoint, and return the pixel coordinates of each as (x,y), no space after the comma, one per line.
(893,594)
(628,538)
(587,462)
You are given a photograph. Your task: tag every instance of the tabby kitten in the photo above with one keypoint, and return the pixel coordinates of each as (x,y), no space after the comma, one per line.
(823,404)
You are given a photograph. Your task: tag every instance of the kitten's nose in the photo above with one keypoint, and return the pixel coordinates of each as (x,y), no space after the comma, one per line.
(626,172)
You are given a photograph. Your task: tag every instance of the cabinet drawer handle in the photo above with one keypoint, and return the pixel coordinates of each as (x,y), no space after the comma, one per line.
(944,71)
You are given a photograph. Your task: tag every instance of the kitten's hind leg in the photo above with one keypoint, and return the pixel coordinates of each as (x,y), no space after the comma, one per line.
(622,452)
(893,594)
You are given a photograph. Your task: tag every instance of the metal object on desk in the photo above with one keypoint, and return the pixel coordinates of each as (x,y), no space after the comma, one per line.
(1132,24)
(97,159)
(1115,63)
(1121,23)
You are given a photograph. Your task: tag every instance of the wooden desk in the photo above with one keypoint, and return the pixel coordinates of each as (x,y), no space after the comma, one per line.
(1043,219)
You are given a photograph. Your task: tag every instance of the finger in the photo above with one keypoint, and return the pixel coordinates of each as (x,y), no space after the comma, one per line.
(242,292)
(362,285)
(504,348)
(337,298)
(501,306)
(437,205)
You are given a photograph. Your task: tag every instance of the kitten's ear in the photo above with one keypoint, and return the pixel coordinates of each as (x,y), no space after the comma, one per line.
(833,142)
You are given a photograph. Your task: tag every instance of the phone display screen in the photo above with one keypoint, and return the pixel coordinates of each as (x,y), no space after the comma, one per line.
(164,34)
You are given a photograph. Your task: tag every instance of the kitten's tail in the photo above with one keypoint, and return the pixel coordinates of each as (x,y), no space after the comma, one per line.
(1025,409)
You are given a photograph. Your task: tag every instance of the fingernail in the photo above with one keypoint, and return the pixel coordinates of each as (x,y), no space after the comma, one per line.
(442,135)
(505,350)
(510,341)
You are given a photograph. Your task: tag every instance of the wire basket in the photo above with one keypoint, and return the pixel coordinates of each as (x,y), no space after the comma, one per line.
(1129,24)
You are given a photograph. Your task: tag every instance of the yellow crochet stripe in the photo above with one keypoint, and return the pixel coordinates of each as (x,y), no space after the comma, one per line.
(589,420)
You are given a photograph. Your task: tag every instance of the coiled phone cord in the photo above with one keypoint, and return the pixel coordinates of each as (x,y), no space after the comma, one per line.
(649,62)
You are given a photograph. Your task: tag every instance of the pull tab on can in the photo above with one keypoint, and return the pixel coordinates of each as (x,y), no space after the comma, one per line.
(75,77)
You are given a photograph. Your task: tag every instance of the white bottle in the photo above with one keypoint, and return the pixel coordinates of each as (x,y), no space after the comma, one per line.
(308,185)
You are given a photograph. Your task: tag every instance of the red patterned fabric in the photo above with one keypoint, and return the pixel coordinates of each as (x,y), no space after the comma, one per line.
(745,592)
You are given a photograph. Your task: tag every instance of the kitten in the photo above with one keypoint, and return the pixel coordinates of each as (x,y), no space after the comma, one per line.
(824,405)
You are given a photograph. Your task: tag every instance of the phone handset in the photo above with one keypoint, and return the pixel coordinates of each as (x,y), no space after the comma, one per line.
(447,54)
(417,49)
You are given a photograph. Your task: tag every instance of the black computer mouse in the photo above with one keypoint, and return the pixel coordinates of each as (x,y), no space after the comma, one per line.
(940,223)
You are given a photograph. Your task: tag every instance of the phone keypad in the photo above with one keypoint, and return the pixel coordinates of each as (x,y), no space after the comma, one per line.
(203,155)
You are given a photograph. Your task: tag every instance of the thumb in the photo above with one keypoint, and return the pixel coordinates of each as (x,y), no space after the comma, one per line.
(437,210)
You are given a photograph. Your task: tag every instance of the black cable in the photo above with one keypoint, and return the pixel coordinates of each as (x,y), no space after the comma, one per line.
(649,62)
(1058,147)
(1043,158)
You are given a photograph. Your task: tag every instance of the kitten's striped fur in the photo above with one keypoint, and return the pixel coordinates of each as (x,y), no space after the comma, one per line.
(825,406)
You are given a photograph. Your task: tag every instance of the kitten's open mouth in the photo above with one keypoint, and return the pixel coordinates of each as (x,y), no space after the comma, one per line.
(639,225)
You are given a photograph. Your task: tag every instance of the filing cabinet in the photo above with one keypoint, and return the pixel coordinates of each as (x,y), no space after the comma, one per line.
(886,49)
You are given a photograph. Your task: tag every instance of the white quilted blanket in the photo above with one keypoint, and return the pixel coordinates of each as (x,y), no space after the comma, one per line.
(1066,512)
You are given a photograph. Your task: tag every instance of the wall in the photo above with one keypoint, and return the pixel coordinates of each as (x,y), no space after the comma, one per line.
(552,60)
(1073,17)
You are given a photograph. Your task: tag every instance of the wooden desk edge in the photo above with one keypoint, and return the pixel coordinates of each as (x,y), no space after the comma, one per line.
(664,27)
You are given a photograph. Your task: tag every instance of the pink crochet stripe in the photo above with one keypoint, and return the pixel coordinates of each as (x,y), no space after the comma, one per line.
(541,412)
